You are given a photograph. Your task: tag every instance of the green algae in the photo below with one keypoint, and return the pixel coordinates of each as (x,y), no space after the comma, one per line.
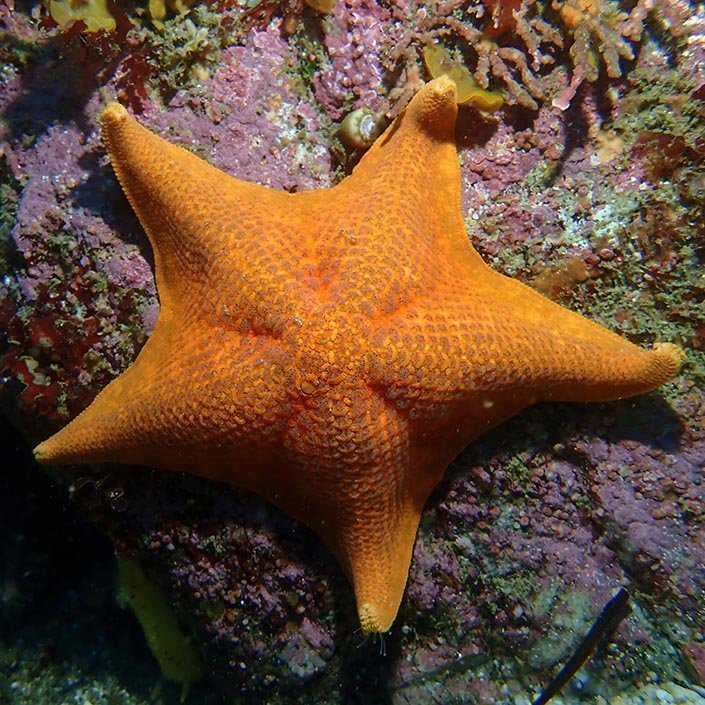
(184,49)
(10,190)
(519,470)
(662,104)
(517,584)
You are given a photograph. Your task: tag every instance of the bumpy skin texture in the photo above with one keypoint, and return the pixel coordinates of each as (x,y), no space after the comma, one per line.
(334,350)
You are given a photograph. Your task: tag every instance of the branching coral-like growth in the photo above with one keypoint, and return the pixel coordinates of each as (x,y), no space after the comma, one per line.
(513,43)
(595,28)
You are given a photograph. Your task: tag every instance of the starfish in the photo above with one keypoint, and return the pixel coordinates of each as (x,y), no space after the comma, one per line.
(334,350)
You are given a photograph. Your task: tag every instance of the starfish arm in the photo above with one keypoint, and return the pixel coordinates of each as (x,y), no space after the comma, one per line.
(562,356)
(174,411)
(399,213)
(346,470)
(502,337)
(207,226)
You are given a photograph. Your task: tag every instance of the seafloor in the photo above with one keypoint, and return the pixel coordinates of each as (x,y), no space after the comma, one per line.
(588,184)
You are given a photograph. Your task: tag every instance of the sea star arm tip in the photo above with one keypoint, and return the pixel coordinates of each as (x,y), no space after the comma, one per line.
(434,108)
(667,361)
(114,112)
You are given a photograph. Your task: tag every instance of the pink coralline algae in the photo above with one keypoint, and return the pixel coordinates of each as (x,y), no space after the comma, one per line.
(252,122)
(355,41)
(71,322)
(536,525)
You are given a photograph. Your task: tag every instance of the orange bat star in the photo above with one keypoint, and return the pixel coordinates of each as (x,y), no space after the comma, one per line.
(334,350)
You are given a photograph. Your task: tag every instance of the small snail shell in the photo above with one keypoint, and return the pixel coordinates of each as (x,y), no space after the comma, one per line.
(360,128)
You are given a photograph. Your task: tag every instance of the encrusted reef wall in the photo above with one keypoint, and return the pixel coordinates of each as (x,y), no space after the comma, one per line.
(588,184)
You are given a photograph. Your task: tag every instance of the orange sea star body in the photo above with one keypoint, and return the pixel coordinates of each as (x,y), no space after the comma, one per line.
(333,350)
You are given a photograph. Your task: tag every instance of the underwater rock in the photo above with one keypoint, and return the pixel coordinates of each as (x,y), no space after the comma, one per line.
(534,526)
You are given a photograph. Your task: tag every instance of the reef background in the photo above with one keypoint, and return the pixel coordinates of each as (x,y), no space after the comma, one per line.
(589,185)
